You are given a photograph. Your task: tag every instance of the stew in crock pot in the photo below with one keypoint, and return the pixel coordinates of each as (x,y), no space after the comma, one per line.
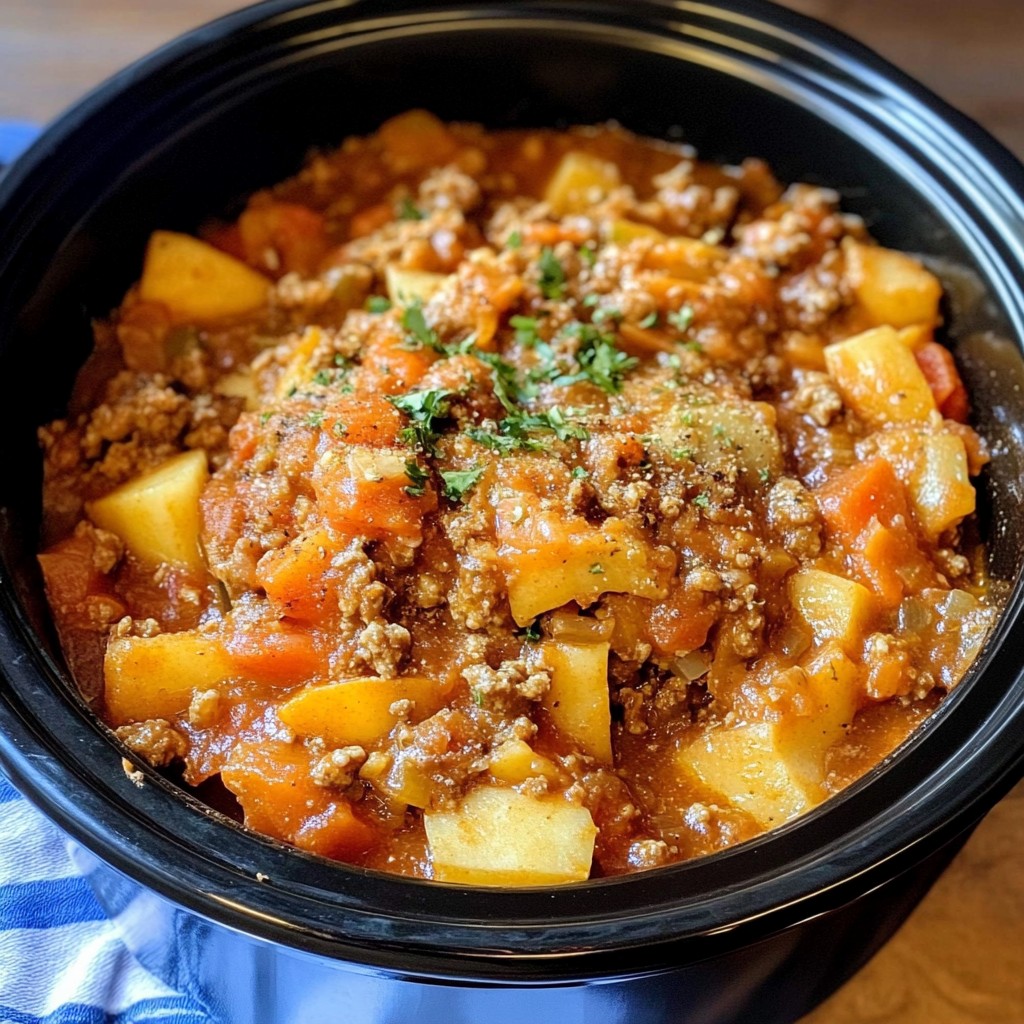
(518,507)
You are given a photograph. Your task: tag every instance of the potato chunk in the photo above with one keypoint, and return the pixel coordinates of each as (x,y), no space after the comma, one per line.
(154,677)
(940,487)
(406,287)
(579,181)
(835,608)
(879,378)
(550,560)
(892,287)
(578,697)
(195,281)
(157,514)
(774,770)
(497,836)
(358,711)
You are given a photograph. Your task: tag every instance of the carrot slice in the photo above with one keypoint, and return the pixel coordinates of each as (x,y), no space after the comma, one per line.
(943,378)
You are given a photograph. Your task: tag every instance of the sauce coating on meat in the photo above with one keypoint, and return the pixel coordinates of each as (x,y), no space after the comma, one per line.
(518,507)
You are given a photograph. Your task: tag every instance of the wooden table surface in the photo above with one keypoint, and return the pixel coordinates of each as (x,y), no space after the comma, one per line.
(960,957)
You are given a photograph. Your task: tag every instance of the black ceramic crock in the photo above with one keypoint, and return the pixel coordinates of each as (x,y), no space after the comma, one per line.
(265,934)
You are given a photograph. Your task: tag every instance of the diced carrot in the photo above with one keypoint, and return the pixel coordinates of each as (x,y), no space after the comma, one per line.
(276,653)
(936,362)
(417,139)
(549,233)
(296,577)
(227,238)
(296,233)
(389,366)
(362,417)
(273,784)
(681,622)
(366,221)
(72,581)
(881,556)
(642,341)
(363,492)
(850,500)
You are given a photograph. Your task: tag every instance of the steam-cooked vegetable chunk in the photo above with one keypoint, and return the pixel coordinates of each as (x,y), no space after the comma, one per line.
(579,181)
(157,513)
(497,836)
(155,677)
(834,607)
(406,287)
(195,281)
(879,378)
(578,698)
(892,287)
(359,710)
(774,770)
(550,561)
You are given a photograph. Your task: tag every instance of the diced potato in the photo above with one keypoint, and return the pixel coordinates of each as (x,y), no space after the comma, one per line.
(892,287)
(720,432)
(515,761)
(195,281)
(299,368)
(934,467)
(157,514)
(406,783)
(580,180)
(239,384)
(497,836)
(550,560)
(154,677)
(622,232)
(406,287)
(774,771)
(879,378)
(578,698)
(835,608)
(939,487)
(359,710)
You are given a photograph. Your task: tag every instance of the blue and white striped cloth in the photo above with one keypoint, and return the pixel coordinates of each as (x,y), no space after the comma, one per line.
(62,960)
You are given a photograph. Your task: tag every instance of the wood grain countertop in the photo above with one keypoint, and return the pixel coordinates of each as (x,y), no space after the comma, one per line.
(960,958)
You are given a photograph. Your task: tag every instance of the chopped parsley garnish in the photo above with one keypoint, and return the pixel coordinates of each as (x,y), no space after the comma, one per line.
(591,299)
(552,274)
(515,429)
(682,318)
(597,569)
(508,388)
(378,304)
(339,428)
(526,330)
(703,500)
(315,418)
(424,409)
(420,334)
(418,478)
(765,474)
(600,360)
(607,313)
(651,320)
(478,696)
(408,210)
(501,443)
(682,453)
(579,473)
(459,482)
(514,240)
(264,417)
(588,255)
(322,377)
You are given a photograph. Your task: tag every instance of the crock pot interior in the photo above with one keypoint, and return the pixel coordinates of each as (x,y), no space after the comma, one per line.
(194,134)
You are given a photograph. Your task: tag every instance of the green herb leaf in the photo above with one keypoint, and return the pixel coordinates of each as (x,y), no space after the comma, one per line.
(378,304)
(459,482)
(315,418)
(588,255)
(531,632)
(651,320)
(682,318)
(579,473)
(420,334)
(597,569)
(418,478)
(600,360)
(424,409)
(408,210)
(552,274)
(526,330)
(322,377)
(703,500)
(514,240)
